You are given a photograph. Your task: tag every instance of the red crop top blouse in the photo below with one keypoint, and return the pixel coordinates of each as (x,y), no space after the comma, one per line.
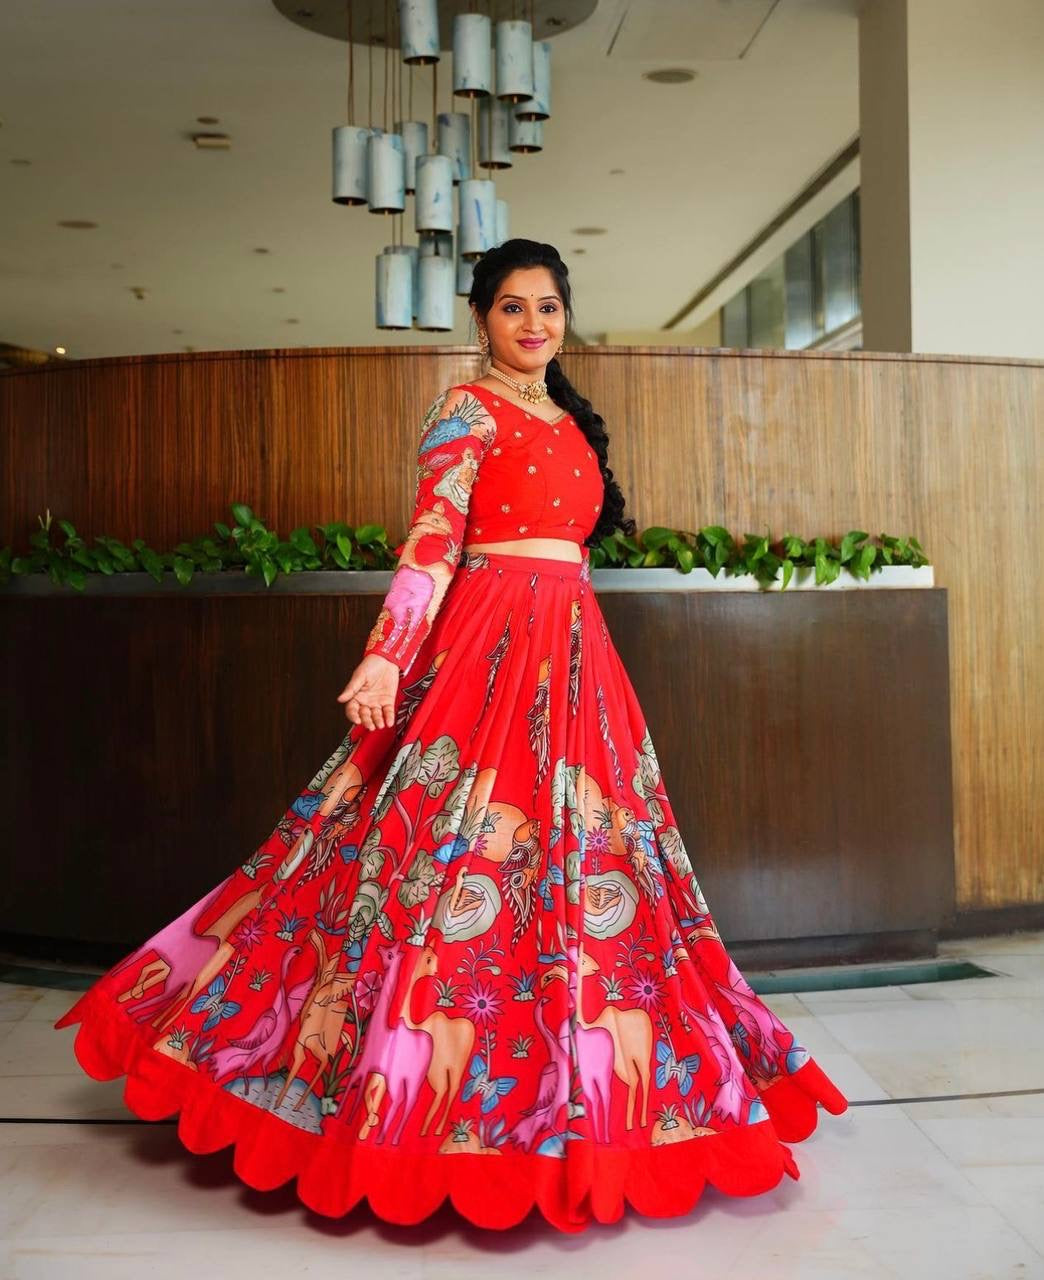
(490,471)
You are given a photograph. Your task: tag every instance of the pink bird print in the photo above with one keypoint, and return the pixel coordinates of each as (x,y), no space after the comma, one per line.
(755,1017)
(731,1094)
(266,1037)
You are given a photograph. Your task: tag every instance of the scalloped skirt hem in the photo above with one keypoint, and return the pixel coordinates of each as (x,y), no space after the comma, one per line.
(592,1183)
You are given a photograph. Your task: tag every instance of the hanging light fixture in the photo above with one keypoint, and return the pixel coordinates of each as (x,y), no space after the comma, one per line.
(506,77)
(437,276)
(413,253)
(419,24)
(394,291)
(414,134)
(455,142)
(349,163)
(349,143)
(493,125)
(465,273)
(525,135)
(433,203)
(514,40)
(472,56)
(538,107)
(385,172)
(478,216)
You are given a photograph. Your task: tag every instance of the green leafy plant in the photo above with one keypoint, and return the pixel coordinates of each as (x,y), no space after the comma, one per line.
(248,545)
(714,549)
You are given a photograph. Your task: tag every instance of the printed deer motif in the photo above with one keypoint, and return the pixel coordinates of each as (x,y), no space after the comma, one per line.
(394,1059)
(322,1018)
(632,1034)
(453,1040)
(595,1056)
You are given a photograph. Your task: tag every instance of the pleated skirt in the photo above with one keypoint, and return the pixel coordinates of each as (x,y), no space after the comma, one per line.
(472,960)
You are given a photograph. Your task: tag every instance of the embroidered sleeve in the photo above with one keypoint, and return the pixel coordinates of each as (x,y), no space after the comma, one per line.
(457,431)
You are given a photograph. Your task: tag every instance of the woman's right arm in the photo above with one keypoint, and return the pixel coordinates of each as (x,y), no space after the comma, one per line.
(456,432)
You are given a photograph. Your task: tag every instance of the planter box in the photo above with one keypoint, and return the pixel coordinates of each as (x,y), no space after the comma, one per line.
(376,582)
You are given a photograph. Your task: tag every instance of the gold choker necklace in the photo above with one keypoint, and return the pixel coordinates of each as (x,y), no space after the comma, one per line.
(533,392)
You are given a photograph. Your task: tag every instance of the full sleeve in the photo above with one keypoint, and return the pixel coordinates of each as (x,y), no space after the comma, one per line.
(456,432)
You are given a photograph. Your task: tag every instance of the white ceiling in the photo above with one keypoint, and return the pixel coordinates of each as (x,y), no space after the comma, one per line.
(102,95)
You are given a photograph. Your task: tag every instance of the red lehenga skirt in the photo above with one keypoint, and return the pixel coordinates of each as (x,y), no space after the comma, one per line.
(472,959)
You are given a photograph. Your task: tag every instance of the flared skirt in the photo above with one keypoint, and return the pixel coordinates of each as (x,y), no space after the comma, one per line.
(472,960)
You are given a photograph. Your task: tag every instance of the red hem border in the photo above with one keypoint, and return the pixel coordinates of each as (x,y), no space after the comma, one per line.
(497,1191)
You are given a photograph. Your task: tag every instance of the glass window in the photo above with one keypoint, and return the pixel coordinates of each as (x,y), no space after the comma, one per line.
(809,293)
(766,307)
(734,321)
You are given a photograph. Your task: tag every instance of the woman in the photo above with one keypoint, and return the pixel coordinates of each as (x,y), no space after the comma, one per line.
(476,932)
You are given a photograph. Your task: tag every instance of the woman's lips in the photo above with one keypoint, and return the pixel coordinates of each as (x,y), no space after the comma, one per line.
(532,343)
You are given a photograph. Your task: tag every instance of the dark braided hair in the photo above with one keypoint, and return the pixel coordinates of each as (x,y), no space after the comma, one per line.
(490,270)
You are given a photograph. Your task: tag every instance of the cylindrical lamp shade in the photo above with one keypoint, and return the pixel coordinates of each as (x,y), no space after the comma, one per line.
(455,142)
(478,216)
(472,56)
(419,28)
(414,134)
(514,41)
(349,164)
(525,135)
(493,126)
(394,295)
(437,279)
(503,222)
(433,205)
(539,105)
(385,173)
(440,244)
(465,274)
(413,253)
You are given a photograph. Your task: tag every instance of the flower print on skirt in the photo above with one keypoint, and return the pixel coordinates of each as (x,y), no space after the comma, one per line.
(472,959)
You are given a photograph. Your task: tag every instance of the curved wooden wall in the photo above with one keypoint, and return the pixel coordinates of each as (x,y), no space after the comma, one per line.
(945,448)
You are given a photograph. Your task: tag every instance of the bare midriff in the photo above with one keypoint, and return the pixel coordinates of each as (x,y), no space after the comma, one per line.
(552,548)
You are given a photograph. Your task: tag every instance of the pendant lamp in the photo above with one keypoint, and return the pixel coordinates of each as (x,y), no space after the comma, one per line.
(394,291)
(472,56)
(349,163)
(433,203)
(419,27)
(514,41)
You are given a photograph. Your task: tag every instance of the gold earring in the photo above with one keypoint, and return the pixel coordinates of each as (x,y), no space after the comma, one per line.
(483,342)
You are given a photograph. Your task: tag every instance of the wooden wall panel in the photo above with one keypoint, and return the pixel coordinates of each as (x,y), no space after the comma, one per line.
(944,447)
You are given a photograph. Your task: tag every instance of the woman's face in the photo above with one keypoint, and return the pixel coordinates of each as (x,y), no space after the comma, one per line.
(527,305)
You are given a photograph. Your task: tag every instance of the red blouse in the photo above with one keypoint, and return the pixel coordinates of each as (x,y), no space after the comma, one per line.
(490,471)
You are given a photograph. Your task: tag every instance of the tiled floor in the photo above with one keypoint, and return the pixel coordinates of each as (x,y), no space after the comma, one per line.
(897,1187)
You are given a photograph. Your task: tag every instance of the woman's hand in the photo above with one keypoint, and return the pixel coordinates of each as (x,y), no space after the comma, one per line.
(370,693)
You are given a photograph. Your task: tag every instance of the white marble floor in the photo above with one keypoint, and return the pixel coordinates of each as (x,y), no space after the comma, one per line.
(896,1187)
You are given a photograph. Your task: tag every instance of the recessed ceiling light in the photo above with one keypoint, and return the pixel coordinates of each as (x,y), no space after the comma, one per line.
(579,250)
(207,120)
(215,141)
(293,321)
(177,330)
(77,224)
(60,350)
(262,250)
(589,231)
(278,288)
(116,266)
(616,171)
(21,160)
(669,75)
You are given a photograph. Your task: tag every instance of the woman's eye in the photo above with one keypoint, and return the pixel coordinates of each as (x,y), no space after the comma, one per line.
(515,304)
